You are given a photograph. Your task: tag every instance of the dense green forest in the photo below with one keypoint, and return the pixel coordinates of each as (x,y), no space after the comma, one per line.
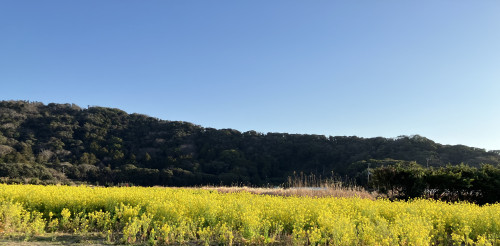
(65,143)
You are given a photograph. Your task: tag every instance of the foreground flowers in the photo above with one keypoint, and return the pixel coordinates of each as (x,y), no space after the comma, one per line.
(171,215)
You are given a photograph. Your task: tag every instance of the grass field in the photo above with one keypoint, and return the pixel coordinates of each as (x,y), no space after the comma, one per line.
(138,215)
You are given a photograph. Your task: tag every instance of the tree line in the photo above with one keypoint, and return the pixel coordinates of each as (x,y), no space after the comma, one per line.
(107,146)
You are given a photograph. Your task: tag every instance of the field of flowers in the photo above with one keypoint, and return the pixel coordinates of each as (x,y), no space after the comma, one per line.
(176,216)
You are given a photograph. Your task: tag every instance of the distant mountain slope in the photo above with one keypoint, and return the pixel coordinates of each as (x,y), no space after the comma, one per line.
(106,145)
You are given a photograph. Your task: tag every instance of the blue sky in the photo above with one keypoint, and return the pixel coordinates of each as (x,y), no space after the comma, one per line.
(365,68)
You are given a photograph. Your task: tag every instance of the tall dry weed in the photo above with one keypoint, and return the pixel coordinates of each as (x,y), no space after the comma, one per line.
(303,185)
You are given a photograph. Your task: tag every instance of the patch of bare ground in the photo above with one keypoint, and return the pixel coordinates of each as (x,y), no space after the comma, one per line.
(54,239)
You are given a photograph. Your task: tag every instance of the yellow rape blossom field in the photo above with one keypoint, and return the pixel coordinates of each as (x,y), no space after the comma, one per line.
(163,216)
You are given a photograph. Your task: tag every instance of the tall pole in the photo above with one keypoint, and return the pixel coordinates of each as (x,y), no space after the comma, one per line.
(368,174)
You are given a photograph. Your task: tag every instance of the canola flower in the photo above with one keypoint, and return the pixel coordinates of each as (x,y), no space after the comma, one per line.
(162,216)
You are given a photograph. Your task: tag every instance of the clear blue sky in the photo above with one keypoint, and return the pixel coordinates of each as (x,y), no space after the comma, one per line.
(365,68)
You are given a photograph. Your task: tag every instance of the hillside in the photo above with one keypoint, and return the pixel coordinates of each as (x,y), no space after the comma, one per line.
(63,142)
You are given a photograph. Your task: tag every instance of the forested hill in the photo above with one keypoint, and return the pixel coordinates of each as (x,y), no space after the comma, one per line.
(64,142)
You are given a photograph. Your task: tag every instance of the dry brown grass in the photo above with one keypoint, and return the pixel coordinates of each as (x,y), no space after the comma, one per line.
(298,191)
(303,185)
